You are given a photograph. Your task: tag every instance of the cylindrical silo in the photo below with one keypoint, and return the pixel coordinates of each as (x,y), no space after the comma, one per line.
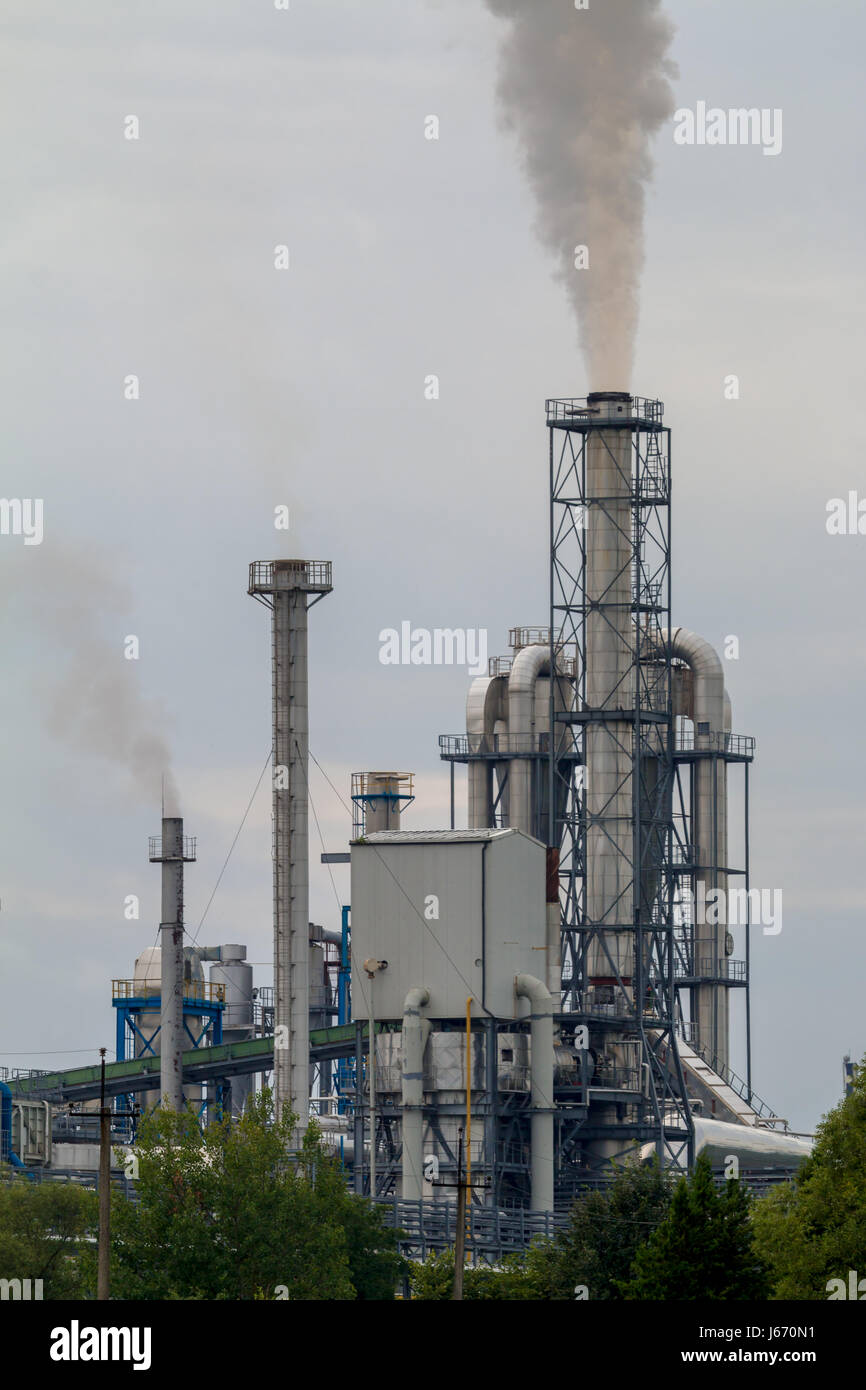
(147,985)
(232,972)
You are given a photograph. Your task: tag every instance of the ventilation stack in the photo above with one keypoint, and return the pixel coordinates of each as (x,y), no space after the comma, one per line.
(379,799)
(172,850)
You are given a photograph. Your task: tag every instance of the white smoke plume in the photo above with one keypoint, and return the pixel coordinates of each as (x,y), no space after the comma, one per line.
(77,615)
(584,90)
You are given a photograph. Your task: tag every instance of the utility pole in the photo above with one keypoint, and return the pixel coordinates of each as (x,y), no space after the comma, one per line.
(460,1233)
(103,1248)
(464,1185)
(104,1244)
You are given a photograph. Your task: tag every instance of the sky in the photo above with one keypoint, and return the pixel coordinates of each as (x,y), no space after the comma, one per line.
(258,388)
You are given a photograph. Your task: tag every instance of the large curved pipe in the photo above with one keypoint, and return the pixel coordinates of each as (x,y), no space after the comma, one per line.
(541,1087)
(709,690)
(529,663)
(415,1032)
(711,714)
(484,706)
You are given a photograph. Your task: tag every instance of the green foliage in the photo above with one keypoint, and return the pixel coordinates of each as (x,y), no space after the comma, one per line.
(43,1232)
(605,1231)
(596,1250)
(232,1215)
(434,1280)
(814,1229)
(704,1248)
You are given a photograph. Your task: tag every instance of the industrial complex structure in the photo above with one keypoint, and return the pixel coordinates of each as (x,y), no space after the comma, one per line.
(523,1004)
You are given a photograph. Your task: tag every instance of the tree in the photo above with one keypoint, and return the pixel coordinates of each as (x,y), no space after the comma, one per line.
(704,1248)
(606,1229)
(232,1214)
(813,1230)
(433,1280)
(595,1252)
(44,1227)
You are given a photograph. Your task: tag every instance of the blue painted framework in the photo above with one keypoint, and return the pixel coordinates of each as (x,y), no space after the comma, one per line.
(208,1013)
(344,1075)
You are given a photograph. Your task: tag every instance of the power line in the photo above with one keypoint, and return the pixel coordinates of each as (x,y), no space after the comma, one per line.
(232,845)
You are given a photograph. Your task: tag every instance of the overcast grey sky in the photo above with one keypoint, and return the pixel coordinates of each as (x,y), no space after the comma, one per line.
(155,257)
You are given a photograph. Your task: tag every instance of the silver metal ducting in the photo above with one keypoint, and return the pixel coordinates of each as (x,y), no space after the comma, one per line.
(754,1148)
(542,1062)
(415,1033)
(486,707)
(709,707)
(230,970)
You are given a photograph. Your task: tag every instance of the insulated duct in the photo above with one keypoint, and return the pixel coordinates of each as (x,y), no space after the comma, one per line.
(415,1033)
(541,1088)
(485,708)
(708,706)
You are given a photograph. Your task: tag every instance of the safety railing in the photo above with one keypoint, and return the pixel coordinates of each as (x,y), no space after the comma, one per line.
(739,745)
(199,991)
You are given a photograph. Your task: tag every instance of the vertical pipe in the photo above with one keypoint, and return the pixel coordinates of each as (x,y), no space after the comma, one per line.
(541,1088)
(358,1116)
(452,793)
(748,949)
(371,1082)
(491,1118)
(553,944)
(104,1201)
(171,962)
(468,1103)
(415,1032)
(344,975)
(553,837)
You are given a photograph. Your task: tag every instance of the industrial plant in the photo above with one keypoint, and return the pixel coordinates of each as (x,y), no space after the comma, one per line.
(516,1008)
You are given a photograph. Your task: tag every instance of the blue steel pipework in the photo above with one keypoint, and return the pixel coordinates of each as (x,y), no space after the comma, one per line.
(7,1153)
(344,1001)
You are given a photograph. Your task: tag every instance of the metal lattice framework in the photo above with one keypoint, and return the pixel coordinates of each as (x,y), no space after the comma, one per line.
(610,488)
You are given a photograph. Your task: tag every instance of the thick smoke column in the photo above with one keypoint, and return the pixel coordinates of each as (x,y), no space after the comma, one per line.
(584,91)
(78,614)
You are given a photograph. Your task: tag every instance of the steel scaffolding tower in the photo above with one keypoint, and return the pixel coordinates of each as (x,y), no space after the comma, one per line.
(610,805)
(284,586)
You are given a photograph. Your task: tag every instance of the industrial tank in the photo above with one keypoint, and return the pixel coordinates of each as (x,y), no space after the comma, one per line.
(147,984)
(232,972)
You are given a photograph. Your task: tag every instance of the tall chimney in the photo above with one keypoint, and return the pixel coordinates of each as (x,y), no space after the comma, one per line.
(284,586)
(172,851)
